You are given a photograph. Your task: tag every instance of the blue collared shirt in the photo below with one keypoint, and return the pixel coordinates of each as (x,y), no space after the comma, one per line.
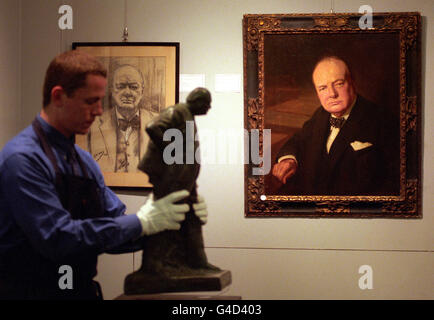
(30,209)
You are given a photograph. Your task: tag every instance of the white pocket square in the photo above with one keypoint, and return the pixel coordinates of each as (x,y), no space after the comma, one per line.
(357,145)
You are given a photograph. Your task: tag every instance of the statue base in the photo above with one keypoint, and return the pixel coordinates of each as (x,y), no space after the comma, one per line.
(175,261)
(185,280)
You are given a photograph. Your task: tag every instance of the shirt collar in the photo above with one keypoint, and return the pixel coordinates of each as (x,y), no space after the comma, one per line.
(55,136)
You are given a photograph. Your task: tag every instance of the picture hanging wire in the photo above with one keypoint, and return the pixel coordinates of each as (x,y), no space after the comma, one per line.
(125,32)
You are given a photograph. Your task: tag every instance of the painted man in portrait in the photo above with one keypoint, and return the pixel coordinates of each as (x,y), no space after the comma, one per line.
(350,146)
(117,139)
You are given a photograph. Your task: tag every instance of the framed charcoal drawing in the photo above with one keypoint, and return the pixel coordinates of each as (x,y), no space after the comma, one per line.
(300,70)
(142,79)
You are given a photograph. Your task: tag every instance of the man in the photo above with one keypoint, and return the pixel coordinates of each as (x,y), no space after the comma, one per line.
(349,146)
(117,140)
(54,206)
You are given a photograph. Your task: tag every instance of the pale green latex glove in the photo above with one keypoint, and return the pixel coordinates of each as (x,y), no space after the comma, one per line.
(163,214)
(201,210)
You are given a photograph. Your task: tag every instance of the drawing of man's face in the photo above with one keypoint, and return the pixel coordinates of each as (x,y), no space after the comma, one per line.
(127,89)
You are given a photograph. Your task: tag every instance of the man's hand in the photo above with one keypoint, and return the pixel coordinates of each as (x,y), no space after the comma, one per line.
(285,169)
(200,209)
(163,214)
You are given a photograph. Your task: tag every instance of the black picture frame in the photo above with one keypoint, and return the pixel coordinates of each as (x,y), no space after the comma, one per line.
(158,65)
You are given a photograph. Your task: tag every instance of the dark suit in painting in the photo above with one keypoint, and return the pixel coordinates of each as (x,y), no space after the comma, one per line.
(363,159)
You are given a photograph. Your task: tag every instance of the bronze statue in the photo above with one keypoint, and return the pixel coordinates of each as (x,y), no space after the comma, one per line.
(176,260)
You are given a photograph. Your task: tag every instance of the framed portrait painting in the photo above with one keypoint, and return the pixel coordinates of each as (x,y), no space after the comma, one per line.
(142,80)
(342,104)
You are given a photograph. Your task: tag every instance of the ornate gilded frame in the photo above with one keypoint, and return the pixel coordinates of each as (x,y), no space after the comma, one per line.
(406,28)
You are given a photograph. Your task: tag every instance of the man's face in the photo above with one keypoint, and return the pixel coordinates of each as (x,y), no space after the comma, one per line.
(333,86)
(81,108)
(127,88)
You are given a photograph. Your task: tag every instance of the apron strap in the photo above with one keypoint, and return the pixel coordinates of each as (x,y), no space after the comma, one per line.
(44,142)
(49,152)
(80,162)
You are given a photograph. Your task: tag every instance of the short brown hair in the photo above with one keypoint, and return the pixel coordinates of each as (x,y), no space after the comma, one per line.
(69,70)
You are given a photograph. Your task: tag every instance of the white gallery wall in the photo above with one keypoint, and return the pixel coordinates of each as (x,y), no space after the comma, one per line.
(279,258)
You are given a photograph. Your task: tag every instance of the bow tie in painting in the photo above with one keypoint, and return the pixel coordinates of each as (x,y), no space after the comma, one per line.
(134,123)
(337,122)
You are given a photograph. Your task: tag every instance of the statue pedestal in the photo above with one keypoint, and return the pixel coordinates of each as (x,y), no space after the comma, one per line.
(203,296)
(188,280)
(175,261)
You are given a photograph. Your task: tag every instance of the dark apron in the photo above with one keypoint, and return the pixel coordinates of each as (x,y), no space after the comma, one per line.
(32,276)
